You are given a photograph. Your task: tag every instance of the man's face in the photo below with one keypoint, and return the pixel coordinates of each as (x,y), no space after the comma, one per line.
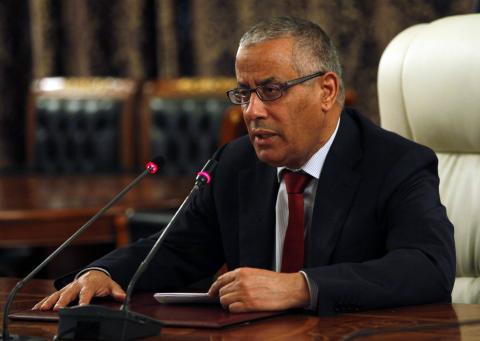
(286,131)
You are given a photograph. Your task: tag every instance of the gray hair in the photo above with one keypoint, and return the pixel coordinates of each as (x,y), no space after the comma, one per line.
(314,51)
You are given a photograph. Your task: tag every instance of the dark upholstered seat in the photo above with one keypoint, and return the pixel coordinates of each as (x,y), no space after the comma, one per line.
(181,120)
(80,125)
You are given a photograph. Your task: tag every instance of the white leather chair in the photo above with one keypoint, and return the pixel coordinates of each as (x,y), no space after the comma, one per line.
(429,92)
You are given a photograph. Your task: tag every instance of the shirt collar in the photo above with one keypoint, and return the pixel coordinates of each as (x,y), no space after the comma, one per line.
(314,165)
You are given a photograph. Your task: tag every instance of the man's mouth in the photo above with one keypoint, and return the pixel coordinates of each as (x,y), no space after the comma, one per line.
(263,136)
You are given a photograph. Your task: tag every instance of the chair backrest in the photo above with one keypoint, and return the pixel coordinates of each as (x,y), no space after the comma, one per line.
(80,125)
(181,119)
(233,125)
(429,92)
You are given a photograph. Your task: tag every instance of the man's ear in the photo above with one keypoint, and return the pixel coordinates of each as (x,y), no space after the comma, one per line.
(329,83)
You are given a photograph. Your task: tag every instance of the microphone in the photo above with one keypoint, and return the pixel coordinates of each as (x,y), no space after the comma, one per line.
(99,322)
(151,168)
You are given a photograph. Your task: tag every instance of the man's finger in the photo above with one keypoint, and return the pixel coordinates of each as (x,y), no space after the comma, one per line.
(221,282)
(238,307)
(215,287)
(50,301)
(66,297)
(227,300)
(117,292)
(37,306)
(85,296)
(228,288)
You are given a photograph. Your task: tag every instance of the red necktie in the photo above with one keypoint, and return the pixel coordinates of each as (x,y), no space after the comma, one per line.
(292,256)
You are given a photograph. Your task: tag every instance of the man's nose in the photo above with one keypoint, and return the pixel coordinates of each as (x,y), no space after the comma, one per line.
(255,108)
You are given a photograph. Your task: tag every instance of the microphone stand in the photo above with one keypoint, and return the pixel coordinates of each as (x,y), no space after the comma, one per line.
(96,322)
(151,167)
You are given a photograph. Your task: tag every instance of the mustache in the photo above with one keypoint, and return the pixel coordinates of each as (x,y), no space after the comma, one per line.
(259,124)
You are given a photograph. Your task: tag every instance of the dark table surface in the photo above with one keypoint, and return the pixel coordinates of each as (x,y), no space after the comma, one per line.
(433,318)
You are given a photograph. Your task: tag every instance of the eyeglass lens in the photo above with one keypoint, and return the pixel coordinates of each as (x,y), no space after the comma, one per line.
(267,92)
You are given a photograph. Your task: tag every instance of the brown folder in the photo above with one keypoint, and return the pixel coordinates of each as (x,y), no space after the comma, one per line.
(181,315)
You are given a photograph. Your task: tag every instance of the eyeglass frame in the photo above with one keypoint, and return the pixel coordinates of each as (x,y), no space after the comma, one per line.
(282,86)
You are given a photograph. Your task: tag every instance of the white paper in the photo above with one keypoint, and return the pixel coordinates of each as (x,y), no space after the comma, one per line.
(184,297)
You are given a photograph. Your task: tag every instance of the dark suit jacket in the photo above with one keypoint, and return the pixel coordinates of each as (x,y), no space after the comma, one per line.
(379,235)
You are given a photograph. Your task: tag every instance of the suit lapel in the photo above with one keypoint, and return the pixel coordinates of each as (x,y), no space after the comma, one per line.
(257,195)
(337,185)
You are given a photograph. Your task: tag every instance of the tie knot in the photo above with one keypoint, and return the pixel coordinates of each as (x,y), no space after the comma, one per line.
(295,182)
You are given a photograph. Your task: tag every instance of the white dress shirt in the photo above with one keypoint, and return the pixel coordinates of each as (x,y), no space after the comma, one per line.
(313,167)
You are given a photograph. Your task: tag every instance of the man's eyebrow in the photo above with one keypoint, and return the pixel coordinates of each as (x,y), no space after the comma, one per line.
(262,82)
(266,81)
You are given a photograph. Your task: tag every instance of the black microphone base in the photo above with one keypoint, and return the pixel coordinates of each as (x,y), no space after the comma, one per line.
(22,338)
(93,322)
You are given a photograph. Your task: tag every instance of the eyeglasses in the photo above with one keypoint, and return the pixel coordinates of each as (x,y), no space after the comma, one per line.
(267,92)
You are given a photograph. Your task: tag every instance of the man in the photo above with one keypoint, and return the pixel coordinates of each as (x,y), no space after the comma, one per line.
(371,231)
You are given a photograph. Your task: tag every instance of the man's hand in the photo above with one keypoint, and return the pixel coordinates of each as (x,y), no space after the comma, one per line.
(249,289)
(91,284)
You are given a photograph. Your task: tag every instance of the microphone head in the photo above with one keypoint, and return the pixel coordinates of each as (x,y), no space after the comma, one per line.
(153,166)
(205,175)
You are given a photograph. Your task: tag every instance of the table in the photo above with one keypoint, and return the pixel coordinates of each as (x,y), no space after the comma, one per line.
(288,326)
(43,210)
